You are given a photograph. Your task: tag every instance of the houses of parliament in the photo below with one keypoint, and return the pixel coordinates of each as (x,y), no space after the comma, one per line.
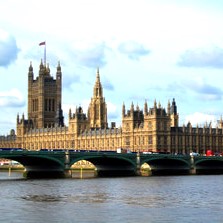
(149,129)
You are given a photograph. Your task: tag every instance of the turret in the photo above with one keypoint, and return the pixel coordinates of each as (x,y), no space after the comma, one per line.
(155,104)
(173,109)
(173,114)
(59,117)
(145,108)
(132,108)
(168,107)
(123,110)
(97,110)
(30,74)
(42,69)
(59,73)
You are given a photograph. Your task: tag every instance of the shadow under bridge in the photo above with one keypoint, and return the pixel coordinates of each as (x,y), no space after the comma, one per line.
(108,164)
(161,164)
(208,164)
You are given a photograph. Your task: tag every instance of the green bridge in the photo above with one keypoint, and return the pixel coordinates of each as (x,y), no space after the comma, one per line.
(52,164)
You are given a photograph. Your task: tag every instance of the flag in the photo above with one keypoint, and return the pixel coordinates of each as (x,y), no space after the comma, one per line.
(42,43)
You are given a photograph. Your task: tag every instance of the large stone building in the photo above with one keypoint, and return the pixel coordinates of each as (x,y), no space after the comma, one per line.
(148,129)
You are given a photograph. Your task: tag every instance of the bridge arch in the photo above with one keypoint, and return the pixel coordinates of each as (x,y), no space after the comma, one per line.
(209,165)
(108,165)
(37,165)
(161,165)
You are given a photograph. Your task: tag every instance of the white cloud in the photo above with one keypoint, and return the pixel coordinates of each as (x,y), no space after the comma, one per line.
(133,49)
(8,49)
(91,57)
(12,98)
(199,118)
(202,57)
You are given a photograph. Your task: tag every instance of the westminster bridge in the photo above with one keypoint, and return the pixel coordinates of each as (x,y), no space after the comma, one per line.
(54,164)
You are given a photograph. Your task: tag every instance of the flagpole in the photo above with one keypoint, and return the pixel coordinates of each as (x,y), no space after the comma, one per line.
(41,44)
(45,54)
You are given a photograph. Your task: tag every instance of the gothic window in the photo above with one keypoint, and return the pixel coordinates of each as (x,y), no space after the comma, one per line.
(165,140)
(127,127)
(45,105)
(165,126)
(49,105)
(53,105)
(158,126)
(37,106)
(127,141)
(149,125)
(159,140)
(33,108)
(143,141)
(97,112)
(150,140)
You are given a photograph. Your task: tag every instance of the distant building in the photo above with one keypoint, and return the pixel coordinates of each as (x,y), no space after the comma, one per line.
(151,129)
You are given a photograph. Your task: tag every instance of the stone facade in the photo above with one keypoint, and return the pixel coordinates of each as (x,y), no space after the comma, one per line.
(149,129)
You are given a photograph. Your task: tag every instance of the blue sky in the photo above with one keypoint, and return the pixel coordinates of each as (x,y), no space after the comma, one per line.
(145,50)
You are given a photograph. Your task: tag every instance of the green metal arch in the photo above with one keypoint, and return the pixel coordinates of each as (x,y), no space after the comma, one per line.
(45,157)
(165,158)
(198,161)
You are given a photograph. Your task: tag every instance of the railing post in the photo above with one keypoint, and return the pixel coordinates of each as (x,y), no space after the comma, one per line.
(138,164)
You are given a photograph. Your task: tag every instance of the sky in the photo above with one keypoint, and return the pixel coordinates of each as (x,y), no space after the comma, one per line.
(145,50)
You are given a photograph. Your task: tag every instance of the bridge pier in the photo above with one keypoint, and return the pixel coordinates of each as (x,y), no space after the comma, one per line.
(138,165)
(192,165)
(67,173)
(67,170)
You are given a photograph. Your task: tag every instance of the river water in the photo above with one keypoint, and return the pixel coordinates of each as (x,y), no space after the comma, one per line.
(112,200)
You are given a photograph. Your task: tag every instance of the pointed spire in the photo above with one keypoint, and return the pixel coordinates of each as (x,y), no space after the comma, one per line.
(123,109)
(70,113)
(30,74)
(155,105)
(59,73)
(98,75)
(145,107)
(168,107)
(132,107)
(98,91)
(17,118)
(48,69)
(30,67)
(58,66)
(41,68)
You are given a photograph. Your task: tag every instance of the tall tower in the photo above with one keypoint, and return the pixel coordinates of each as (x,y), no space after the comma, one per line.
(97,110)
(173,114)
(44,97)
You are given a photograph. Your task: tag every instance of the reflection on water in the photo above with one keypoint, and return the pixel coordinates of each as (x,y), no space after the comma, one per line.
(42,198)
(83,173)
(131,199)
(8,174)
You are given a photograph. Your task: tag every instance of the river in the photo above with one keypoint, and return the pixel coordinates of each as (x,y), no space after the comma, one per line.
(171,199)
